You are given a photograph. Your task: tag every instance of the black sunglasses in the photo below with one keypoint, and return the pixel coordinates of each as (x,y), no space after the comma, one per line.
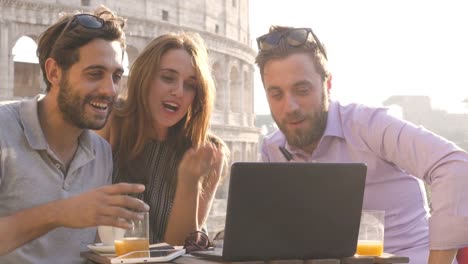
(295,37)
(199,241)
(84,20)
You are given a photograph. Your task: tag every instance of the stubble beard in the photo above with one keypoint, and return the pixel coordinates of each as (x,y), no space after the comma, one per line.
(313,132)
(72,107)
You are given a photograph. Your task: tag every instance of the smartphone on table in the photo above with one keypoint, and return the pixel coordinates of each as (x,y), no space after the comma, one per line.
(148,256)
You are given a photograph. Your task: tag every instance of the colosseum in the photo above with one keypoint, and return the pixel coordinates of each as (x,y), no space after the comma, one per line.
(224,25)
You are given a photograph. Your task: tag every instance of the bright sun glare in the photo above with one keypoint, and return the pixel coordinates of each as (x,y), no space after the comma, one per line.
(380,48)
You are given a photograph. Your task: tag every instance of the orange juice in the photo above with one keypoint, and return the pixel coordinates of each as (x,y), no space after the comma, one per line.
(130,244)
(369,248)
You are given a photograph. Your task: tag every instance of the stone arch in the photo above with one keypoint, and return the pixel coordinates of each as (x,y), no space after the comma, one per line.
(217,75)
(129,57)
(235,90)
(132,54)
(248,92)
(249,152)
(26,69)
(236,155)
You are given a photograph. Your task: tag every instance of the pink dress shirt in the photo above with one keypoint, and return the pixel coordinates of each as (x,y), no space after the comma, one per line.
(399,155)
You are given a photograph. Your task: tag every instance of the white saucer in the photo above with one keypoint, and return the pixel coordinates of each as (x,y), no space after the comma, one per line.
(100,248)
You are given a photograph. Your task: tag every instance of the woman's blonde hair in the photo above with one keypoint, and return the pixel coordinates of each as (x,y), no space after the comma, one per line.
(132,115)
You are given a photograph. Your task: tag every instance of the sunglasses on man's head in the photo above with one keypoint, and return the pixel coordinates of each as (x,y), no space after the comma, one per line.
(295,37)
(84,20)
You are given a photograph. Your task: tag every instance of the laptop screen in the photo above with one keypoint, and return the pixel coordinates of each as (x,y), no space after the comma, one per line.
(293,210)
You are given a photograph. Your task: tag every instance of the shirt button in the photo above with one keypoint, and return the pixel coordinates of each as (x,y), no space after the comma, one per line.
(66,187)
(57,165)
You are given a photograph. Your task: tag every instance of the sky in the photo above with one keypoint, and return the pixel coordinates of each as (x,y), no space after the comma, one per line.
(379,48)
(376,48)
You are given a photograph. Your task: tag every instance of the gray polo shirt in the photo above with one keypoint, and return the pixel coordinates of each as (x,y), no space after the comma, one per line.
(31,174)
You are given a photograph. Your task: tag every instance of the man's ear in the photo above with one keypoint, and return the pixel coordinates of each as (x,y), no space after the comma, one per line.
(53,72)
(329,84)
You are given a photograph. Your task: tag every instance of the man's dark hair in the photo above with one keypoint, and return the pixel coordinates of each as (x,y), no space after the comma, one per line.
(63,47)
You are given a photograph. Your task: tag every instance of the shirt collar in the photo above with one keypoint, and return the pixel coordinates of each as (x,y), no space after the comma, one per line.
(334,122)
(33,131)
(30,121)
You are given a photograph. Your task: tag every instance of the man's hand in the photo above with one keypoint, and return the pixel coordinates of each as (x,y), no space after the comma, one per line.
(108,205)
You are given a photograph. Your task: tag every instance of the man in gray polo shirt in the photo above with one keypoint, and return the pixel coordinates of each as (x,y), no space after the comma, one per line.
(54,173)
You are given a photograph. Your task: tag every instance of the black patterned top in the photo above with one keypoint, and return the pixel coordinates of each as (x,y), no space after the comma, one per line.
(156,168)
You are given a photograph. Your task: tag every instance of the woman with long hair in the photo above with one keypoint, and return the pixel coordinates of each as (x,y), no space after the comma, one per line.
(159,135)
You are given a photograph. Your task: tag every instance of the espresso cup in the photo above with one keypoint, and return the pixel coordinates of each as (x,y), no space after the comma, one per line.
(108,234)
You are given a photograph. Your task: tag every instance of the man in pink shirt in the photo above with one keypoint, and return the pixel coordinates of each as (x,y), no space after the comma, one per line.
(462,256)
(399,155)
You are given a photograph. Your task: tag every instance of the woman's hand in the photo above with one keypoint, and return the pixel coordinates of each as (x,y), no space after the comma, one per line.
(198,166)
(198,175)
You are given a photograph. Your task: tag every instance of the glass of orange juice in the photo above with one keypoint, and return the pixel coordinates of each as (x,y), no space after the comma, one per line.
(133,239)
(371,233)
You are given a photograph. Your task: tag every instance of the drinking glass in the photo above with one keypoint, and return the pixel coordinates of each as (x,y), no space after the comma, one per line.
(134,239)
(371,233)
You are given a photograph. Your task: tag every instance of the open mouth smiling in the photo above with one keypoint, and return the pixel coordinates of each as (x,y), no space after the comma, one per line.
(172,107)
(99,105)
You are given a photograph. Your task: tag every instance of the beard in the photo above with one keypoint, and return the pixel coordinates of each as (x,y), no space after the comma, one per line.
(316,122)
(73,107)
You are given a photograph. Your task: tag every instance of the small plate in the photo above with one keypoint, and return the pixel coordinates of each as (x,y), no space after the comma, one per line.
(100,248)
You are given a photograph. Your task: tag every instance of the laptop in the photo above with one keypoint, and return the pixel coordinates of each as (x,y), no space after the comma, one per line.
(292,211)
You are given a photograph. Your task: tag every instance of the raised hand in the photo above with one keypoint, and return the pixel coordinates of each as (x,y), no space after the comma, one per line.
(198,177)
(198,164)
